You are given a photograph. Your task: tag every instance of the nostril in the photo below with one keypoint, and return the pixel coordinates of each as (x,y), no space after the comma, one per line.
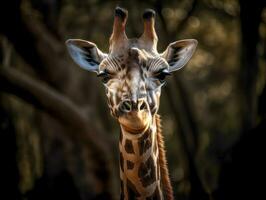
(143,106)
(126,106)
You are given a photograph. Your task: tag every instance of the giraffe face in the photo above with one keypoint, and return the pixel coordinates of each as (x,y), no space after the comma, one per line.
(133,72)
(133,82)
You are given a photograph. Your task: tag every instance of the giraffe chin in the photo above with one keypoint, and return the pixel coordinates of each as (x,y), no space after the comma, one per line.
(135,122)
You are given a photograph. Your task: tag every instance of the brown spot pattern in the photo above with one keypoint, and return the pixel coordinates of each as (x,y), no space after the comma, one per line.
(121,161)
(122,194)
(121,137)
(147,172)
(130,165)
(129,146)
(132,191)
(144,142)
(155,196)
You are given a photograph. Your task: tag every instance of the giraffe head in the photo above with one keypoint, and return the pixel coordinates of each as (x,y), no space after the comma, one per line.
(133,72)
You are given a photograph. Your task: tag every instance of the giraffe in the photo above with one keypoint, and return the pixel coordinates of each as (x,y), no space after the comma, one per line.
(133,73)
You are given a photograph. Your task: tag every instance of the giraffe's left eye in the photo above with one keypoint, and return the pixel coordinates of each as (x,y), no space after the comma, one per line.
(105,75)
(162,74)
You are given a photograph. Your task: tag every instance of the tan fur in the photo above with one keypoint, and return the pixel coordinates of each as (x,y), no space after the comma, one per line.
(168,190)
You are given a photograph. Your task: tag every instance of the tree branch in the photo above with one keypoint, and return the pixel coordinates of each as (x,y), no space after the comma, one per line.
(179,112)
(183,109)
(180,26)
(188,122)
(57,105)
(60,107)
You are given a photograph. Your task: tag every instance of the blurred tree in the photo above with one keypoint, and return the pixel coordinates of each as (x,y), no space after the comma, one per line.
(57,121)
(250,18)
(8,170)
(43,51)
(242,176)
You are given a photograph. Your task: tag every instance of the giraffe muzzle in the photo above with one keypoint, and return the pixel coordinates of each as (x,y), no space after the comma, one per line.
(128,106)
(134,116)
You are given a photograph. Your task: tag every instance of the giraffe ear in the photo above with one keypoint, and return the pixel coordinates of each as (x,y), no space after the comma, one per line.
(85,54)
(179,53)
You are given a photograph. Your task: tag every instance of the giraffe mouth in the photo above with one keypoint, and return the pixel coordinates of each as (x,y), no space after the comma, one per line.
(135,121)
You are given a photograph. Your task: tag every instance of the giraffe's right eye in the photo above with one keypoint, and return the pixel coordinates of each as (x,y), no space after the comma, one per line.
(105,75)
(161,74)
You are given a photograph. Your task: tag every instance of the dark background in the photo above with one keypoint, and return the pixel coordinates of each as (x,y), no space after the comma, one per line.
(57,139)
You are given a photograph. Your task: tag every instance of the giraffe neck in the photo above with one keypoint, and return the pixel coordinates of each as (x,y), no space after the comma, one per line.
(139,165)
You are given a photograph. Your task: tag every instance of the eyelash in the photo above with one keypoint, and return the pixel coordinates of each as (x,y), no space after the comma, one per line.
(161,74)
(105,75)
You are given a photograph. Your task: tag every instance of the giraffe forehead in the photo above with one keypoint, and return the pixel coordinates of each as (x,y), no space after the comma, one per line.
(129,63)
(134,53)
